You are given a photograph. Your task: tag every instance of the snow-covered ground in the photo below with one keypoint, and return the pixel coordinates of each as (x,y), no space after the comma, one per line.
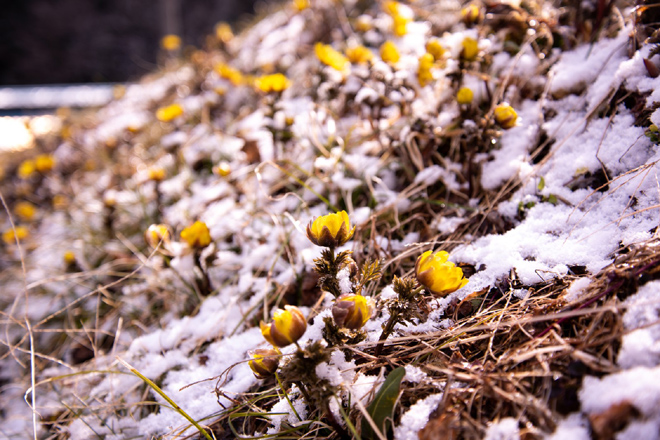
(573,183)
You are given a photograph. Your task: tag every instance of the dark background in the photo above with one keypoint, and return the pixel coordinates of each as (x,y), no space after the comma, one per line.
(80,41)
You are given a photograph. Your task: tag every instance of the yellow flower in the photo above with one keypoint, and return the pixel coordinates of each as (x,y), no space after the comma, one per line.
(464,96)
(300,5)
(156,174)
(352,311)
(223,32)
(69,258)
(359,55)
(438,275)
(505,115)
(363,23)
(169,113)
(470,49)
(229,73)
(44,163)
(26,169)
(400,25)
(391,7)
(435,48)
(330,230)
(222,169)
(330,57)
(170,42)
(157,234)
(197,235)
(389,53)
(471,14)
(264,362)
(287,327)
(60,201)
(10,235)
(272,83)
(424,75)
(25,210)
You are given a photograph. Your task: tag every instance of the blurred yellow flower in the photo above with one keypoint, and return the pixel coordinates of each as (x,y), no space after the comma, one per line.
(223,32)
(197,235)
(505,115)
(264,362)
(287,327)
(471,14)
(435,48)
(363,23)
(44,163)
(272,83)
(26,169)
(222,169)
(169,113)
(359,55)
(156,174)
(10,235)
(400,25)
(352,311)
(424,75)
(25,210)
(464,96)
(170,42)
(389,53)
(330,57)
(229,73)
(439,276)
(157,234)
(470,49)
(300,5)
(69,258)
(330,230)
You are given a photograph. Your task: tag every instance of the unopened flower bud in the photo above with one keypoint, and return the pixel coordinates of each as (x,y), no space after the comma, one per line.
(352,311)
(505,115)
(156,234)
(264,362)
(287,327)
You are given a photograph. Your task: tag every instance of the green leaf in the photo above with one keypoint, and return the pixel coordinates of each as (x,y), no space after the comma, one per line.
(381,408)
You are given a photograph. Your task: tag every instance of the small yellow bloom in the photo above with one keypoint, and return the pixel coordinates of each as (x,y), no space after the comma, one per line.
(391,7)
(330,230)
(471,14)
(363,23)
(352,311)
(223,32)
(424,75)
(69,258)
(25,210)
(156,174)
(26,169)
(272,83)
(157,234)
(229,73)
(264,362)
(435,48)
(287,327)
(464,96)
(439,276)
(400,25)
(389,53)
(359,55)
(222,169)
(330,57)
(44,163)
(169,113)
(300,5)
(470,49)
(10,235)
(171,42)
(197,235)
(505,115)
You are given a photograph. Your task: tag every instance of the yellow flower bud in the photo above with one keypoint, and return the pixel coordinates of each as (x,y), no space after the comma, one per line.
(44,163)
(170,42)
(330,57)
(26,169)
(25,210)
(424,75)
(10,235)
(363,23)
(471,14)
(156,174)
(222,169)
(435,48)
(287,327)
(197,235)
(352,311)
(470,49)
(157,234)
(300,5)
(69,258)
(330,230)
(60,202)
(400,25)
(464,96)
(264,362)
(389,53)
(359,55)
(223,32)
(505,115)
(229,73)
(439,276)
(272,83)
(169,113)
